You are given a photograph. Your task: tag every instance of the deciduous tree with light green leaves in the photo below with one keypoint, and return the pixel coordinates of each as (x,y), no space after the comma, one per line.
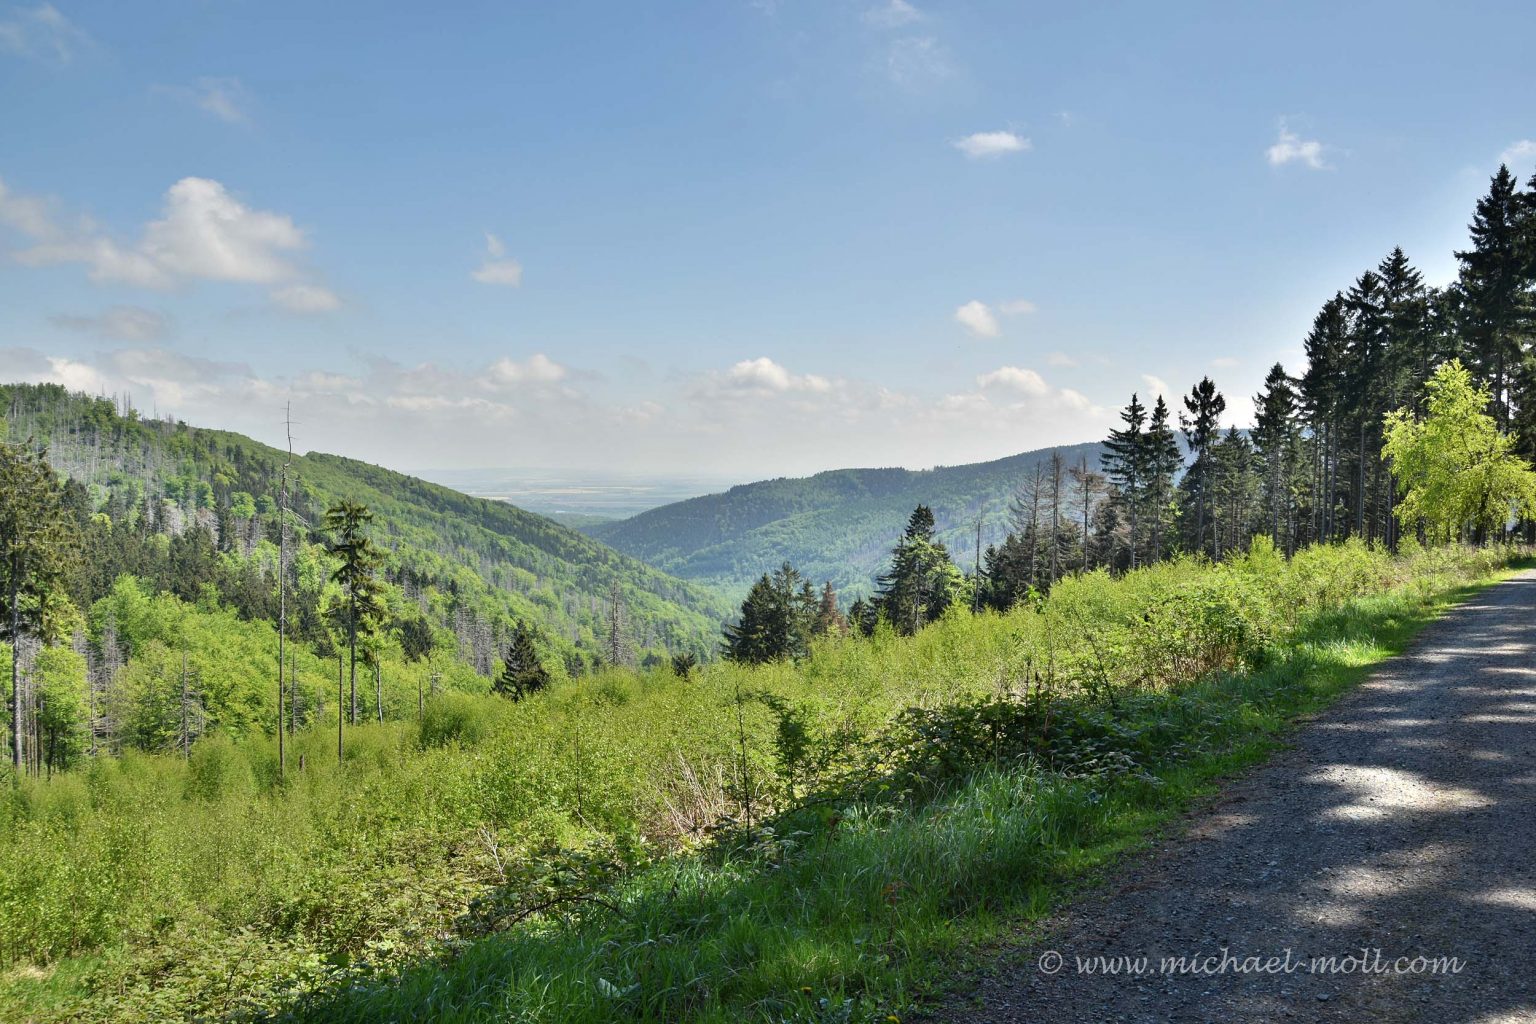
(1457,472)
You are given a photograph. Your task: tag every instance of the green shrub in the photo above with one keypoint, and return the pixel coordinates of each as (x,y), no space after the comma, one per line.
(192,882)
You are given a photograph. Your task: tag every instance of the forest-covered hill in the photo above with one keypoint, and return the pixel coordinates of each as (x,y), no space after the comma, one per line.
(499,561)
(837,526)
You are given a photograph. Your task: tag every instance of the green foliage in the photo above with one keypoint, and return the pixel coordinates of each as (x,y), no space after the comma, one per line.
(1456,470)
(207,886)
(922,583)
(778,619)
(522,673)
(163,501)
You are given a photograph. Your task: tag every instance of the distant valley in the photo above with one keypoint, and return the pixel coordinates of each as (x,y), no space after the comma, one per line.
(573,497)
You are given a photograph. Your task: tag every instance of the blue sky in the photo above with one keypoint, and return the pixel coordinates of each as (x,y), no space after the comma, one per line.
(747,238)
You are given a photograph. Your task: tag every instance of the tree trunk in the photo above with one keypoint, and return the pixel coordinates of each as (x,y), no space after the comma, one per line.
(15,666)
(186,731)
(352,662)
(1360,486)
(282,618)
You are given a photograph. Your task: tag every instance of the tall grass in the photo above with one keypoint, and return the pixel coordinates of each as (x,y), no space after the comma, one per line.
(149,887)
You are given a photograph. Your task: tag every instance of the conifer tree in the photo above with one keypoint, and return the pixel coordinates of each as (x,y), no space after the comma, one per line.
(418,641)
(1276,439)
(36,542)
(1495,281)
(922,582)
(1233,487)
(1125,463)
(359,561)
(777,619)
(618,644)
(1163,462)
(1365,393)
(829,617)
(1007,575)
(522,673)
(863,616)
(1201,423)
(1322,400)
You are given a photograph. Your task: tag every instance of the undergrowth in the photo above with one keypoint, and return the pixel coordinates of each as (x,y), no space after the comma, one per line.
(810,842)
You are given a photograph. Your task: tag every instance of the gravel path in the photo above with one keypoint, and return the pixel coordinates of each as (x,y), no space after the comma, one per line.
(1403,821)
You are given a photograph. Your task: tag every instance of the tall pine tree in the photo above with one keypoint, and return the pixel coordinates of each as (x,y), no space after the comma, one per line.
(1201,422)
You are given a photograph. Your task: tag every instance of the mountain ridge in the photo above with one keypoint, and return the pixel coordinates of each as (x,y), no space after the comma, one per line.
(547,572)
(836,525)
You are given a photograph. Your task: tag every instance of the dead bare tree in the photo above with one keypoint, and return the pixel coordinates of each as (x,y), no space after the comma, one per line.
(1088,489)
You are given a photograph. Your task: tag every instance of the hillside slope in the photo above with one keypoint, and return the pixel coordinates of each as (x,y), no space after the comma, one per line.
(838,525)
(523,563)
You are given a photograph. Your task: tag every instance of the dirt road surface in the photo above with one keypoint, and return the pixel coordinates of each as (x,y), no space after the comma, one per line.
(1401,824)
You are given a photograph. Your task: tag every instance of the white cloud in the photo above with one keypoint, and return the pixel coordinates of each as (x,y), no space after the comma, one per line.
(203,233)
(1224,362)
(1292,148)
(751,419)
(1156,385)
(1075,400)
(124,323)
(537,369)
(763,374)
(306,298)
(1060,359)
(980,145)
(1519,156)
(977,317)
(892,14)
(918,62)
(1015,378)
(497,269)
(1014,307)
(41,33)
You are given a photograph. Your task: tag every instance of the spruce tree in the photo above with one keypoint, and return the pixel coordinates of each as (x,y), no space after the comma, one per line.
(1322,400)
(1125,463)
(922,582)
(1201,423)
(522,673)
(1365,393)
(36,545)
(1163,460)
(1233,490)
(1495,282)
(359,561)
(1276,440)
(1006,576)
(777,621)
